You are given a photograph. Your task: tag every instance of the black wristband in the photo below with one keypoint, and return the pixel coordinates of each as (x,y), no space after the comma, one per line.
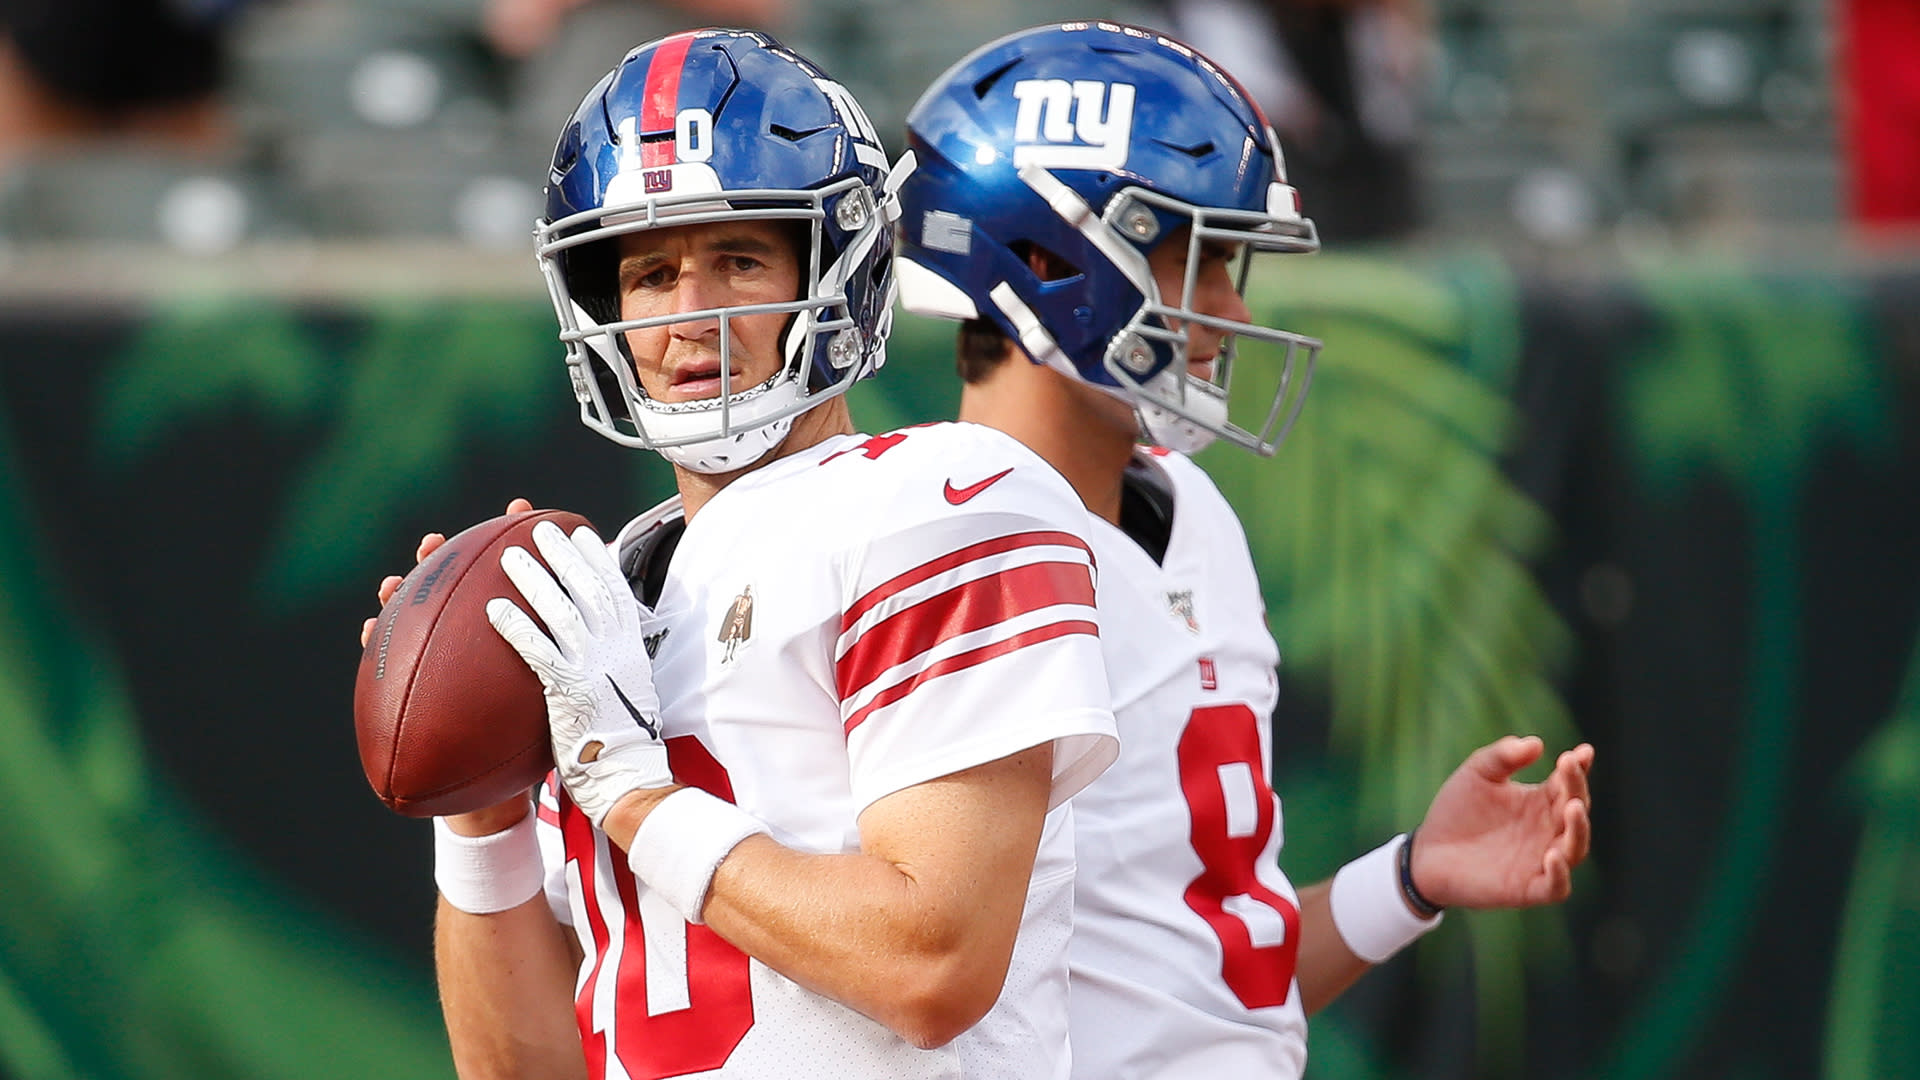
(1421,906)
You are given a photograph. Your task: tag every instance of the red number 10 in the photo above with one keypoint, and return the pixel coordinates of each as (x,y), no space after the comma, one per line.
(719,1008)
(1231,805)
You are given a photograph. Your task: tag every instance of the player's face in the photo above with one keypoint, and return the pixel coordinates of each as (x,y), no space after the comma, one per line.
(1214,292)
(691,268)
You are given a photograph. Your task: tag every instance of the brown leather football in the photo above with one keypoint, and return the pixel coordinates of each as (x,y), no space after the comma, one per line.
(449,718)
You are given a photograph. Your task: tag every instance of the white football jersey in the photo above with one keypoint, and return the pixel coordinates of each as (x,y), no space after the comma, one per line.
(1186,931)
(838,625)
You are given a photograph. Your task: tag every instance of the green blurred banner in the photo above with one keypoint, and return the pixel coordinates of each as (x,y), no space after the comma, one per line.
(1673,511)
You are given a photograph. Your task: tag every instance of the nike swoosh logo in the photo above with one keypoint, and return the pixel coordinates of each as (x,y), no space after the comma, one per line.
(652,732)
(956,496)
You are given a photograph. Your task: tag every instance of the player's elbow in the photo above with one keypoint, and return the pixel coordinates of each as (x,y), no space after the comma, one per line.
(930,1023)
(943,998)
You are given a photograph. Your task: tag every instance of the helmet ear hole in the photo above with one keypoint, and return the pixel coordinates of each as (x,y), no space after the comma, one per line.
(1046,265)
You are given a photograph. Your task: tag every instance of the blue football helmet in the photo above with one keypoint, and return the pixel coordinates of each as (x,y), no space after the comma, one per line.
(702,127)
(1096,141)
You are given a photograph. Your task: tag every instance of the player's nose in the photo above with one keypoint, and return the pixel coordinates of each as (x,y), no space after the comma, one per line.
(695,293)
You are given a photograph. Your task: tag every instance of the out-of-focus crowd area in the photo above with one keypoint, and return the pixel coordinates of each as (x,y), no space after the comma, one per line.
(206,126)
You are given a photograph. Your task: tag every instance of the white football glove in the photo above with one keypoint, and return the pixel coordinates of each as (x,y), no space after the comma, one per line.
(601,706)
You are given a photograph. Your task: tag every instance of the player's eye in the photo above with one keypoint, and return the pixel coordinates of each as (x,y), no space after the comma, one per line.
(646,276)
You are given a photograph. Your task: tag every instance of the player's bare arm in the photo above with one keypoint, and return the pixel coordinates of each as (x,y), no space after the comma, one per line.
(506,979)
(925,913)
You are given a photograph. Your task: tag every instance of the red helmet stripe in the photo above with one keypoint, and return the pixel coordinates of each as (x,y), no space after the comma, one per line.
(661,101)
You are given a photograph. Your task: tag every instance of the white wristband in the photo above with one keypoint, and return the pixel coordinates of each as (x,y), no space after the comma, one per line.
(1368,910)
(482,875)
(682,842)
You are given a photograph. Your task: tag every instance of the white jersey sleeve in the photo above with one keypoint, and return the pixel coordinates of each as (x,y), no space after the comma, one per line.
(969,629)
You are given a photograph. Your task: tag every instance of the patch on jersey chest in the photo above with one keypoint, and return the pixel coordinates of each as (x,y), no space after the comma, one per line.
(1180,606)
(737,627)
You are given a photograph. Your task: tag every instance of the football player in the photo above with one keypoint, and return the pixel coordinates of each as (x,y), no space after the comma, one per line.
(803,821)
(1085,198)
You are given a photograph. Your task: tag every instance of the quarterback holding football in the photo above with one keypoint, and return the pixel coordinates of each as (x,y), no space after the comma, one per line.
(814,718)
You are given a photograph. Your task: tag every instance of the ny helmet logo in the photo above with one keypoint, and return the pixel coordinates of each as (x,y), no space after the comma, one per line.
(1072,125)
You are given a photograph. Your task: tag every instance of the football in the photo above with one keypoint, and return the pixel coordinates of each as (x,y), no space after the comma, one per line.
(449,718)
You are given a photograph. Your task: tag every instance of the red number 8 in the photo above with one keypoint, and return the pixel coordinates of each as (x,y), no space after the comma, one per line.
(1220,759)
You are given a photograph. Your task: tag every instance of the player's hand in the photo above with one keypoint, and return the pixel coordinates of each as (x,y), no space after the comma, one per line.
(601,705)
(428,544)
(1489,841)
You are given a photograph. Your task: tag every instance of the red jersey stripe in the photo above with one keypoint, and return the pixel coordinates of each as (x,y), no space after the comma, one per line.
(661,102)
(970,606)
(962,661)
(1011,542)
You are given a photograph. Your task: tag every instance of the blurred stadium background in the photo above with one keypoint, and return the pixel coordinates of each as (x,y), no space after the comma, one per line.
(1615,438)
(1558,124)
